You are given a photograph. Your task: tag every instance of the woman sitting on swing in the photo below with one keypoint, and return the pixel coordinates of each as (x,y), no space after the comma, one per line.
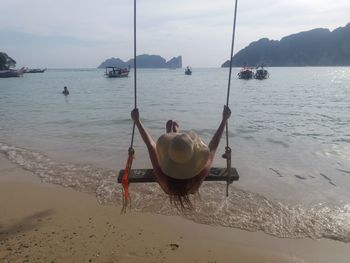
(180,161)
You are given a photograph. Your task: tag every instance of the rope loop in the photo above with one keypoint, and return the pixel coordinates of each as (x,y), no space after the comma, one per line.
(131,151)
(227,154)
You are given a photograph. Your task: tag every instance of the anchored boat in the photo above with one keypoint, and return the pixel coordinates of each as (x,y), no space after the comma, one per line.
(35,70)
(261,73)
(11,73)
(246,73)
(188,71)
(115,72)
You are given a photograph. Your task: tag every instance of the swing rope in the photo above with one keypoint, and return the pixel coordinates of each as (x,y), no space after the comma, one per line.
(228,150)
(131,151)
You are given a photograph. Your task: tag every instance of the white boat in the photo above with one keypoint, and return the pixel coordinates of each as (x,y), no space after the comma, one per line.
(261,73)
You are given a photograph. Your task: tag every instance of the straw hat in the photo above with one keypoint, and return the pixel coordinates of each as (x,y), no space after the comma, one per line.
(181,155)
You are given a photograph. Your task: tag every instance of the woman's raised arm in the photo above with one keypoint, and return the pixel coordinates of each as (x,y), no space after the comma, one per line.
(151,146)
(214,143)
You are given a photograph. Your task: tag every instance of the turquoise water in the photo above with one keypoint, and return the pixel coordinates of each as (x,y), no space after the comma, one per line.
(289,134)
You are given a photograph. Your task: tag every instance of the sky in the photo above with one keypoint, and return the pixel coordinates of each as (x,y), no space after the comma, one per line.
(84,33)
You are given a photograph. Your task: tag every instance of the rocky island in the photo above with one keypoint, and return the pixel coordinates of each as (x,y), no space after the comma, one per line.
(144,61)
(316,47)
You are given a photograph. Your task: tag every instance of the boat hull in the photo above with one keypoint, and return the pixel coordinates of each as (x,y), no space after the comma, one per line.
(113,72)
(35,71)
(11,73)
(261,74)
(245,74)
(117,75)
(188,71)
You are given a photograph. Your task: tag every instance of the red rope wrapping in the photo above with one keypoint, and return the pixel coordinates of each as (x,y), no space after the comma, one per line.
(125,181)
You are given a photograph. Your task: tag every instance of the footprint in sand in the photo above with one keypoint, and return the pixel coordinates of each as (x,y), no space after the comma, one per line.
(174,246)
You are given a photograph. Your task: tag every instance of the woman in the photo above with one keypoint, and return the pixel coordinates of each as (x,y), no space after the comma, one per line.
(180,161)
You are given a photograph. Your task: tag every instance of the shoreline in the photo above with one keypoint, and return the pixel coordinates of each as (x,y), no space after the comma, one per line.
(47,223)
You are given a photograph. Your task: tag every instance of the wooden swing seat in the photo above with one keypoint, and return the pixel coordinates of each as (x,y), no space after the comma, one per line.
(146,175)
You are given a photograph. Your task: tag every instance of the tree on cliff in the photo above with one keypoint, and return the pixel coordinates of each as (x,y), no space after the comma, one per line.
(6,62)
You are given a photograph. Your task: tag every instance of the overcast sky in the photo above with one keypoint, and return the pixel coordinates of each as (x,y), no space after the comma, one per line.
(83,33)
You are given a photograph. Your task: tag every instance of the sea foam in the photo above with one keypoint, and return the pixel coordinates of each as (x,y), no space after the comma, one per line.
(242,209)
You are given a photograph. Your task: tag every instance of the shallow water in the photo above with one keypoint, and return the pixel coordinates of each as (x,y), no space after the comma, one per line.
(289,134)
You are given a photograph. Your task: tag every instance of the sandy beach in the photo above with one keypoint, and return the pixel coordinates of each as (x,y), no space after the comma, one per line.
(49,223)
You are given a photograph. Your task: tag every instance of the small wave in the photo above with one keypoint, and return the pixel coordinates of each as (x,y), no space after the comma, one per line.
(84,178)
(311,135)
(335,120)
(284,144)
(342,140)
(104,123)
(244,131)
(59,122)
(210,132)
(81,135)
(287,113)
(249,138)
(242,209)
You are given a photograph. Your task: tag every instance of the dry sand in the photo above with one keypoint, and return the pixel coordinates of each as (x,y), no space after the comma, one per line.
(46,223)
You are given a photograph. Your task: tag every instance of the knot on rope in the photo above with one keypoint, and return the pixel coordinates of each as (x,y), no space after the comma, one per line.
(227,154)
(125,180)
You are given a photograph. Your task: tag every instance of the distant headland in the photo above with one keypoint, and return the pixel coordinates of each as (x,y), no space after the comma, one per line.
(6,61)
(316,47)
(144,61)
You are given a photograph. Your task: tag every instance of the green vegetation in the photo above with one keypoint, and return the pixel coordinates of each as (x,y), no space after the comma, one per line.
(6,62)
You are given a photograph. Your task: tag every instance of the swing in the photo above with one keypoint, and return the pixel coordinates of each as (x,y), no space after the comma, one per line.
(128,175)
(147,176)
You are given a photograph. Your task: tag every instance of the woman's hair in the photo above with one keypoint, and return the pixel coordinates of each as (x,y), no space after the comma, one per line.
(179,191)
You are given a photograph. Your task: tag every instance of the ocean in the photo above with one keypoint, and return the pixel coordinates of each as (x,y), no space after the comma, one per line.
(289,135)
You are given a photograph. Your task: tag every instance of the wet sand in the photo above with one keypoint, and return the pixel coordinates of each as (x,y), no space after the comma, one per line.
(48,223)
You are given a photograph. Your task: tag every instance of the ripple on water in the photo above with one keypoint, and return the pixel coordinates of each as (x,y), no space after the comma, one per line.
(281,143)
